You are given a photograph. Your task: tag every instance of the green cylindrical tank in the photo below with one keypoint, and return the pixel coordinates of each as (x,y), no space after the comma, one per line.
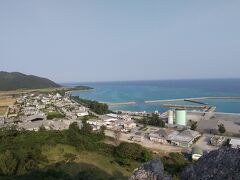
(180,117)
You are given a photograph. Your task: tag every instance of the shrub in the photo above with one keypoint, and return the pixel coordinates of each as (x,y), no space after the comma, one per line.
(122,161)
(52,115)
(132,151)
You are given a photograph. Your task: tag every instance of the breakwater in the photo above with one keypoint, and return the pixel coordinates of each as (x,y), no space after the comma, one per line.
(191,99)
(183,106)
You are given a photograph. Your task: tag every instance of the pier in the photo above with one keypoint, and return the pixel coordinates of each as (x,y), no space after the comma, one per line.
(197,102)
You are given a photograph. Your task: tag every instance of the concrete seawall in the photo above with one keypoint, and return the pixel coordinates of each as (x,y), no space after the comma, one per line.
(120,103)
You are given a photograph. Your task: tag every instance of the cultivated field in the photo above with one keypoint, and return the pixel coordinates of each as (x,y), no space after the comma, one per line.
(3,110)
(23,91)
(7,100)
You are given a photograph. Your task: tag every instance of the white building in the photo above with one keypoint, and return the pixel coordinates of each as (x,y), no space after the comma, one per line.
(111,115)
(81,114)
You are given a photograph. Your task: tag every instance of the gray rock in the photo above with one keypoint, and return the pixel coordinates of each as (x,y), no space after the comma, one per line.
(222,164)
(152,170)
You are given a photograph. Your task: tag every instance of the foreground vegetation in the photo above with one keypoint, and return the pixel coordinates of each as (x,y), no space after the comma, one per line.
(174,163)
(70,154)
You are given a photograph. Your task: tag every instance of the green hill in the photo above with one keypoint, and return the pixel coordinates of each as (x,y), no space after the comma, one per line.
(16,80)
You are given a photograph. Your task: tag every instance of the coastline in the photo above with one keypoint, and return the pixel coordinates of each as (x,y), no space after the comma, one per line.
(150,95)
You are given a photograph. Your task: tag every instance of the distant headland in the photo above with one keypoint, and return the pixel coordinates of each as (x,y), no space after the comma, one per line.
(11,81)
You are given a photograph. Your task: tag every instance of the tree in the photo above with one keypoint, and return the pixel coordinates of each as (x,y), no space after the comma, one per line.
(132,151)
(73,134)
(99,108)
(117,135)
(194,125)
(86,128)
(74,127)
(153,120)
(221,128)
(52,115)
(102,132)
(146,155)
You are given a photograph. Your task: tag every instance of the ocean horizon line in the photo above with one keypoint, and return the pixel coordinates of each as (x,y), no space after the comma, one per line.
(148,80)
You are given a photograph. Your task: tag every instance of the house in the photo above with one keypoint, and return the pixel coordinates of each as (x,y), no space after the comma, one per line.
(185,138)
(110,123)
(91,122)
(163,135)
(235,143)
(111,120)
(40,106)
(58,95)
(217,140)
(125,117)
(129,125)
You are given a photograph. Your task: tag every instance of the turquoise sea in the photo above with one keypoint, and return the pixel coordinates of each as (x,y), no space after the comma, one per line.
(140,91)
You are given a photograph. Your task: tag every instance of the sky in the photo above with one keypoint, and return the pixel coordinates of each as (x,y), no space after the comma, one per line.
(118,40)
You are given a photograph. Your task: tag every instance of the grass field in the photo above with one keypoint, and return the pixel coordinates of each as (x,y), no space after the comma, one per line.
(105,166)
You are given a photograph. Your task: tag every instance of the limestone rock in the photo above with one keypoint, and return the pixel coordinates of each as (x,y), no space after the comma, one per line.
(152,170)
(222,164)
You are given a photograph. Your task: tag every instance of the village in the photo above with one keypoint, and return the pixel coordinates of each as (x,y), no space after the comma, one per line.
(53,111)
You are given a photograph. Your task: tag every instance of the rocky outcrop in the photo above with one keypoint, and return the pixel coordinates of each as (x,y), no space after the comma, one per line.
(222,164)
(152,170)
